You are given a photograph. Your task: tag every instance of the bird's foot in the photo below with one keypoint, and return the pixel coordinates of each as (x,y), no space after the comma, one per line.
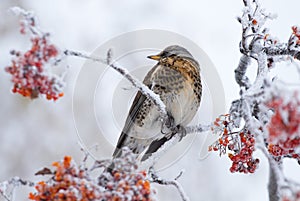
(181,131)
(169,129)
(168,125)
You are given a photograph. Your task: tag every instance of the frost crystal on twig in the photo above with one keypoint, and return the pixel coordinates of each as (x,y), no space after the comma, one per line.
(156,179)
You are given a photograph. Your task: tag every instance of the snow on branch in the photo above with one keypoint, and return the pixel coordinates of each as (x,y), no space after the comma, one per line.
(291,48)
(156,179)
(197,128)
(123,71)
(68,181)
(7,187)
(240,72)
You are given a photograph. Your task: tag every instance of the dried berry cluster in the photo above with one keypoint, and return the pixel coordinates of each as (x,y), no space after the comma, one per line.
(239,145)
(125,181)
(126,186)
(284,127)
(30,71)
(69,182)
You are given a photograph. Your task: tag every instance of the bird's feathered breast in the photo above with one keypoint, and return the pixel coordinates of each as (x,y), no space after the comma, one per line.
(188,68)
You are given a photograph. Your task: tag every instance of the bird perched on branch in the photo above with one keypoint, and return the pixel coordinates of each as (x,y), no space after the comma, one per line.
(176,78)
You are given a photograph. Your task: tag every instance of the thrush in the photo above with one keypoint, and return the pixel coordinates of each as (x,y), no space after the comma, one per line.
(176,79)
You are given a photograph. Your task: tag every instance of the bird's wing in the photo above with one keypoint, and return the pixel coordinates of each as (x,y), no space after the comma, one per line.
(137,103)
(135,107)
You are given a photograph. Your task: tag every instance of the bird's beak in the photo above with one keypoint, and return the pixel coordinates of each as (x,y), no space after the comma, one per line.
(154,57)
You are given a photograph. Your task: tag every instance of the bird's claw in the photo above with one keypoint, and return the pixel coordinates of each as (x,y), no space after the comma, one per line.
(169,129)
(168,125)
(181,131)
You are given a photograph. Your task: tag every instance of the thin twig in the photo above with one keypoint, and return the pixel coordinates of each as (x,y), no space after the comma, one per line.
(179,175)
(156,179)
(197,129)
(13,183)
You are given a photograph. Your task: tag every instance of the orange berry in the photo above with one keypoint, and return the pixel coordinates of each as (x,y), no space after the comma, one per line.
(216,124)
(56,164)
(146,185)
(67,161)
(31,196)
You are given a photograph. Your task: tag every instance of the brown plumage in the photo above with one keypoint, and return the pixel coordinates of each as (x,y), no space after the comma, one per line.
(176,78)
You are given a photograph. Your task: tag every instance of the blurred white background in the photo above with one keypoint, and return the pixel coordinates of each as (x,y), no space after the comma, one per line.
(33,134)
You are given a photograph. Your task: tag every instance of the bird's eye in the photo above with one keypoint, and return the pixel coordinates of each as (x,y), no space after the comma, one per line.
(163,54)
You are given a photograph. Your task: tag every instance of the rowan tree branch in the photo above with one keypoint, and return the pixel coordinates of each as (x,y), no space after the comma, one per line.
(240,72)
(134,81)
(282,51)
(156,179)
(7,187)
(273,187)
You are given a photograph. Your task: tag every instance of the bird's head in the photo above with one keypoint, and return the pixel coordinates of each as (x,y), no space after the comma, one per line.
(175,56)
(172,51)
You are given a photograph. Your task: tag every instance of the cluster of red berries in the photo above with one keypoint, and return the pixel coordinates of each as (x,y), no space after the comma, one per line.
(296,33)
(72,183)
(284,127)
(242,158)
(239,145)
(30,71)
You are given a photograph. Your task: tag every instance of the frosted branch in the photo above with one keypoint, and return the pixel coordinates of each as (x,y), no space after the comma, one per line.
(134,81)
(156,179)
(240,72)
(7,187)
(197,129)
(273,187)
(28,22)
(279,51)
